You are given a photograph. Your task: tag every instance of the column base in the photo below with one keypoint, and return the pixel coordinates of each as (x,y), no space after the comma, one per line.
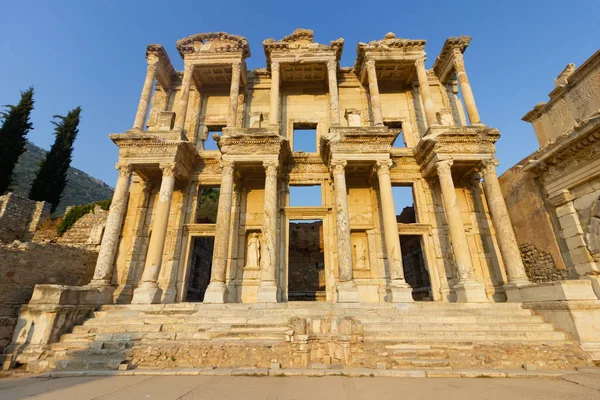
(147,293)
(398,291)
(216,292)
(512,290)
(267,292)
(169,295)
(105,291)
(347,292)
(470,292)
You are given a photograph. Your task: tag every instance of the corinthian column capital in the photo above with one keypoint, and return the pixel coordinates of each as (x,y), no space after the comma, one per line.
(274,65)
(152,59)
(338,166)
(227,166)
(370,63)
(488,167)
(331,65)
(168,169)
(420,63)
(271,167)
(444,167)
(458,60)
(383,166)
(125,169)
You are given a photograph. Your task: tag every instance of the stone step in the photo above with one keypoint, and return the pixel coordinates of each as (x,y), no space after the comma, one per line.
(459,327)
(417,363)
(101,329)
(422,354)
(464,336)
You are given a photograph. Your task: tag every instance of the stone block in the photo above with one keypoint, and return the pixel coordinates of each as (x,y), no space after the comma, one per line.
(580,255)
(595,280)
(555,291)
(575,242)
(571,232)
(567,221)
(471,292)
(565,209)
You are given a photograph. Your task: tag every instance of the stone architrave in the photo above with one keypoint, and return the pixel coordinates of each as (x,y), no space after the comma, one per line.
(398,290)
(217,291)
(184,97)
(468,289)
(507,241)
(334,106)
(267,290)
(347,291)
(148,292)
(142,111)
(110,240)
(274,113)
(465,87)
(374,92)
(234,94)
(425,92)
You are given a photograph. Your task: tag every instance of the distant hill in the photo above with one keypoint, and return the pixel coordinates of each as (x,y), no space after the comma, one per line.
(81,188)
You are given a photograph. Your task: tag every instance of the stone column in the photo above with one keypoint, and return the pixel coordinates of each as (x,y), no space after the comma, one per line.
(515,270)
(425,92)
(267,290)
(468,288)
(347,291)
(217,291)
(374,92)
(465,87)
(274,113)
(181,105)
(140,115)
(112,232)
(234,92)
(398,290)
(334,106)
(148,292)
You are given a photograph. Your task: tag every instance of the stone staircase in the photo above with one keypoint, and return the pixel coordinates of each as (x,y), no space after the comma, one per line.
(309,335)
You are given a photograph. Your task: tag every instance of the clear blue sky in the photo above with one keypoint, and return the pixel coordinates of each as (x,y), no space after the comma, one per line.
(91,53)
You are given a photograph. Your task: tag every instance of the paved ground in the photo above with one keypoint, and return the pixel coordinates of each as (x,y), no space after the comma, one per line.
(578,386)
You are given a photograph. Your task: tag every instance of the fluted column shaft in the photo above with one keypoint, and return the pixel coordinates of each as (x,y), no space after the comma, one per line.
(334,107)
(465,87)
(458,238)
(344,245)
(234,92)
(274,111)
(112,231)
(390,226)
(425,92)
(507,241)
(142,110)
(267,291)
(184,96)
(374,93)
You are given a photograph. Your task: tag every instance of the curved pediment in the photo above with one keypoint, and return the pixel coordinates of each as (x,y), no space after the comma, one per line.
(213,42)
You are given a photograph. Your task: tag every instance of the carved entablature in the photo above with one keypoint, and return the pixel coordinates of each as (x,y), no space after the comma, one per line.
(575,99)
(299,47)
(306,164)
(146,152)
(165,72)
(444,65)
(467,146)
(368,143)
(394,58)
(213,43)
(252,144)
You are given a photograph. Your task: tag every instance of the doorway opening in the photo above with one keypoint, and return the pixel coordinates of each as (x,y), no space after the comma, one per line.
(306,261)
(415,273)
(200,267)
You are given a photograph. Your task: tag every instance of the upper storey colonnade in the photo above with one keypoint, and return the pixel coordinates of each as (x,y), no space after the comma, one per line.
(218,60)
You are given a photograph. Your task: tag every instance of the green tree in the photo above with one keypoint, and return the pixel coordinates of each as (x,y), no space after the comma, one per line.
(13,132)
(52,176)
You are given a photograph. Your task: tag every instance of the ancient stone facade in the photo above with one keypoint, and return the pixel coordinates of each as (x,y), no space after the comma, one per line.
(559,184)
(20,217)
(255,116)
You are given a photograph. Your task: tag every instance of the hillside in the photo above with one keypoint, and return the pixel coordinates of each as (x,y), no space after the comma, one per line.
(81,188)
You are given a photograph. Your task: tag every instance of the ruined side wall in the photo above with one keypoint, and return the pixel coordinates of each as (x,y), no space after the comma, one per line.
(87,231)
(24,265)
(532,224)
(20,217)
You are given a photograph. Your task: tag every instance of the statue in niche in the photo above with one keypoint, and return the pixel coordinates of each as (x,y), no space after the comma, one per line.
(361,254)
(253,258)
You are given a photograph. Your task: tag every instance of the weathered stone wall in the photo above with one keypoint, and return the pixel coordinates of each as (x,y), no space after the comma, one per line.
(23,265)
(529,214)
(539,265)
(20,217)
(87,231)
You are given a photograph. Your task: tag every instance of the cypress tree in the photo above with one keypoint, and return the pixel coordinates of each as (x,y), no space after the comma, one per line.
(51,179)
(13,132)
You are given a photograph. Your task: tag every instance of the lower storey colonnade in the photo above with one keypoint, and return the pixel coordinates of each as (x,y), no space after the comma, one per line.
(359,248)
